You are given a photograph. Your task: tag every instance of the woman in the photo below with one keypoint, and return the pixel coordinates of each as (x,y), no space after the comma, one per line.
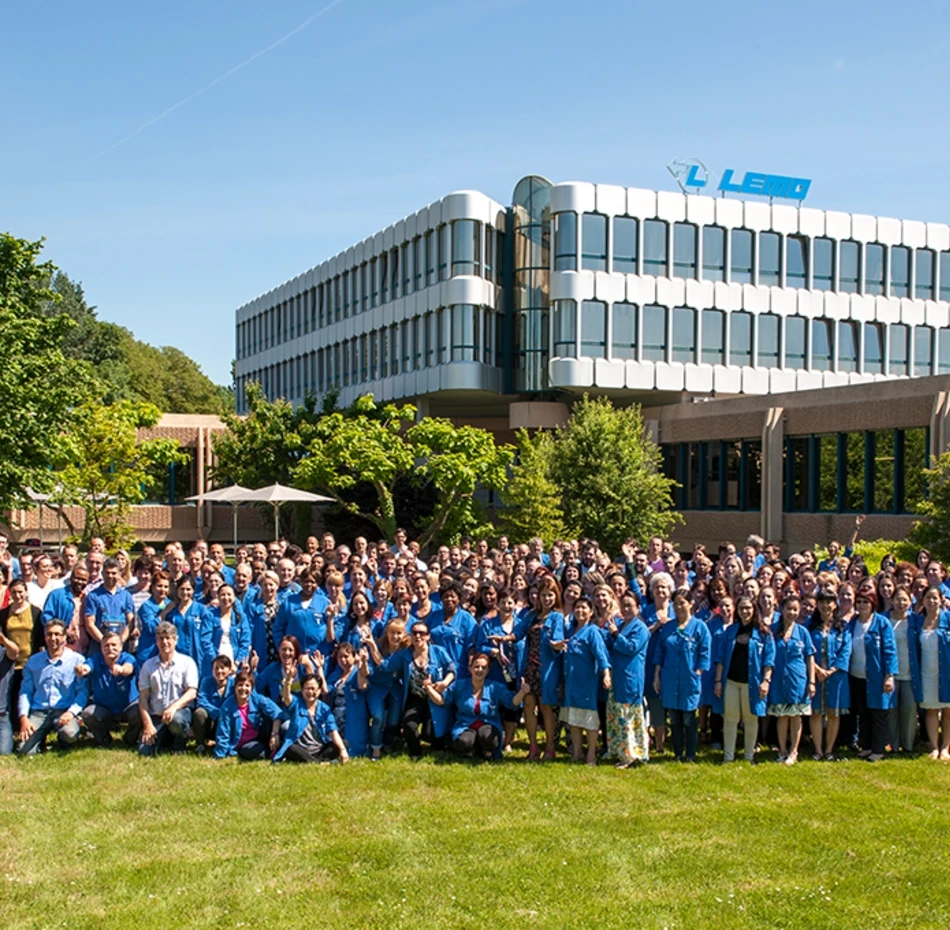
(454,628)
(846,601)
(360,624)
(469,594)
(586,669)
(627,737)
(334,583)
(793,680)
(871,675)
(418,664)
(21,635)
(745,658)
(655,616)
(606,612)
(572,591)
(932,681)
(150,614)
(423,605)
(383,606)
(902,724)
(230,632)
(477,702)
(304,616)
(346,690)
(248,723)
(497,640)
(262,616)
(486,607)
(282,679)
(832,641)
(682,655)
(886,586)
(768,606)
(385,689)
(193,623)
(710,710)
(312,734)
(542,631)
(210,587)
(125,567)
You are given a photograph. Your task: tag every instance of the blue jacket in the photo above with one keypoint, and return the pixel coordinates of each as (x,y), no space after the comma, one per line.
(240,635)
(880,649)
(648,616)
(114,692)
(943,656)
(492,627)
(715,625)
(494,696)
(307,624)
(680,654)
(268,682)
(59,605)
(440,664)
(209,699)
(194,634)
(790,676)
(457,637)
(299,719)
(628,656)
(552,662)
(230,723)
(352,633)
(150,615)
(585,662)
(353,717)
(258,624)
(833,693)
(761,657)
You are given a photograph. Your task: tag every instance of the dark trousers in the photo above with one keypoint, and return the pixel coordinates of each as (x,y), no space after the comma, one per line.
(204,726)
(253,750)
(100,722)
(485,741)
(602,717)
(715,726)
(417,724)
(871,724)
(298,753)
(685,727)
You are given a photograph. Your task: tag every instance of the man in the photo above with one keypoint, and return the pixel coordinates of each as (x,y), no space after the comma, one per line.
(329,544)
(216,555)
(589,552)
(115,694)
(244,591)
(168,684)
(97,544)
(655,554)
(274,553)
(52,694)
(401,537)
(313,545)
(286,571)
(70,556)
(65,605)
(109,608)
(43,581)
(361,548)
(94,561)
(196,559)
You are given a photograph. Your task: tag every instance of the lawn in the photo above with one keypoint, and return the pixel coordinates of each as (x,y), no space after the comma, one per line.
(104,839)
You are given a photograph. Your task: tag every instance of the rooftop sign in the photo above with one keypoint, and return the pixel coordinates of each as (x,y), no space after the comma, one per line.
(692,177)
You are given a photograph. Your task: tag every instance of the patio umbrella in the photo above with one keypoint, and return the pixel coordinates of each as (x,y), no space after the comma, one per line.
(277,494)
(233,495)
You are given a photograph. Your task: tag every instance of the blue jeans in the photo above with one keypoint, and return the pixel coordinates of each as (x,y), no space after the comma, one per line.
(685,727)
(6,711)
(385,711)
(175,733)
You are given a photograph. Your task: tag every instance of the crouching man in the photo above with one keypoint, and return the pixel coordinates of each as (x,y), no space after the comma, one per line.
(168,684)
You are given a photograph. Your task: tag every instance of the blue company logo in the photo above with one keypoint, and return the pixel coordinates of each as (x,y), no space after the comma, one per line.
(764,185)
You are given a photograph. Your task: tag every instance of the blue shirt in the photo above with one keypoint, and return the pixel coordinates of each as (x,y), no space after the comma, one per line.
(52,684)
(628,654)
(60,605)
(150,615)
(680,654)
(790,675)
(210,699)
(114,692)
(110,610)
(585,661)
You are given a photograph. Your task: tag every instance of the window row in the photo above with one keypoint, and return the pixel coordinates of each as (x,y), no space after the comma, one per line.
(744,256)
(464,247)
(461,333)
(653,333)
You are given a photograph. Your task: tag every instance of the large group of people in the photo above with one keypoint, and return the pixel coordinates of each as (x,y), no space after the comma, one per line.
(327,652)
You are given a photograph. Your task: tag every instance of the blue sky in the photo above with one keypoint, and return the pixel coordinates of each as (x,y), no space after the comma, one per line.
(373,109)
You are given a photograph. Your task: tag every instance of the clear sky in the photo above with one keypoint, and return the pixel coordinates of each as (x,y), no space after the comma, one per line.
(174,215)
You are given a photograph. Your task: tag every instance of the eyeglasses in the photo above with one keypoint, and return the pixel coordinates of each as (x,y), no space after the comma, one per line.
(419,633)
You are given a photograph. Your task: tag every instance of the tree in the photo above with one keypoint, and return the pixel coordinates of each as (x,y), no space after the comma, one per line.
(107,468)
(933,532)
(532,499)
(39,385)
(609,476)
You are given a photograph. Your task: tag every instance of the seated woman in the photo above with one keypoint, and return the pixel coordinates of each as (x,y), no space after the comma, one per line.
(477,702)
(248,724)
(312,734)
(213,691)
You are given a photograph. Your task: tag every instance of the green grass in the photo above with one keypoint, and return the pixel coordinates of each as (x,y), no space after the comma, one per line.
(104,839)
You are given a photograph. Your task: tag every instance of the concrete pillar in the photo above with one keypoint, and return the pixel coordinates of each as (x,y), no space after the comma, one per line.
(940,424)
(773,441)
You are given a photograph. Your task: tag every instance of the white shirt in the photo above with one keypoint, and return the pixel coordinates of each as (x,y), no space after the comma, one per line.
(166,683)
(859,658)
(37,595)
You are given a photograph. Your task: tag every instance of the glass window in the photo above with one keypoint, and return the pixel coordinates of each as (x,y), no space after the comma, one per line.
(430,251)
(740,260)
(854,469)
(466,247)
(394,273)
(714,253)
(823,274)
(346,362)
(654,333)
(850,270)
(431,339)
(565,241)
(714,337)
(565,328)
(625,331)
(883,478)
(394,348)
(655,257)
(594,242)
(625,245)
(442,237)
(847,346)
(796,341)
(489,261)
(713,476)
(373,356)
(693,475)
(417,263)
(345,291)
(945,275)
(923,351)
(915,460)
(874,269)
(753,473)
(740,338)
(684,250)
(373,284)
(767,348)
(406,261)
(873,348)
(796,261)
(364,297)
(822,344)
(384,277)
(796,472)
(384,352)
(732,473)
(900,271)
(684,334)
(488,336)
(593,329)
(418,342)
(943,356)
(828,472)
(924,274)
(899,350)
(405,340)
(463,333)
(770,259)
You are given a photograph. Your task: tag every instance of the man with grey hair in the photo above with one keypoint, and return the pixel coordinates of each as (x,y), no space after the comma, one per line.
(168,685)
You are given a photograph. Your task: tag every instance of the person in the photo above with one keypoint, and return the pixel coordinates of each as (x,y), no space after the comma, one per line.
(230,631)
(710,707)
(932,678)
(151,613)
(108,607)
(125,567)
(114,693)
(832,641)
(312,734)
(655,616)
(66,604)
(453,628)
(53,693)
(213,691)
(744,660)
(43,582)
(303,616)
(345,690)
(262,614)
(248,723)
(496,638)
(793,679)
(627,737)
(477,702)
(683,653)
(902,723)
(168,685)
(193,623)
(283,679)
(22,629)
(871,674)
(385,690)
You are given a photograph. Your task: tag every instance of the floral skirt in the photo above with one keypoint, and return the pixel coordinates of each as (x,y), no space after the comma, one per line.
(627,736)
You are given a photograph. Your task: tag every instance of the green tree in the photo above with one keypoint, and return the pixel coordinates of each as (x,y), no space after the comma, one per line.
(532,499)
(108,469)
(39,385)
(933,531)
(609,475)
